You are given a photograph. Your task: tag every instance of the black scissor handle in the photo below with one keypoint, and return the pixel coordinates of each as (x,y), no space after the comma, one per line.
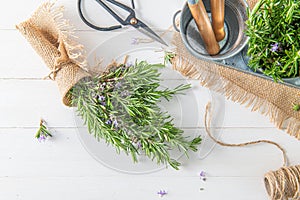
(117,17)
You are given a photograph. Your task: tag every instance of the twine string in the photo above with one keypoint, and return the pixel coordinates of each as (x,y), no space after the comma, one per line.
(207,122)
(281,184)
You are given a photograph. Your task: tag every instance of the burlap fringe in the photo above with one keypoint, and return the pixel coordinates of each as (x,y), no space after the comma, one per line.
(211,78)
(53,39)
(64,30)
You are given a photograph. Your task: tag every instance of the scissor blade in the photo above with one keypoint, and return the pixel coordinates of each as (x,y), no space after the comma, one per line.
(147,31)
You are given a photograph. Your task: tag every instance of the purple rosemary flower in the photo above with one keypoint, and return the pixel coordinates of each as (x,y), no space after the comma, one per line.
(118,85)
(125,93)
(108,122)
(162,193)
(139,145)
(135,41)
(42,138)
(43,133)
(129,64)
(101,98)
(275,47)
(202,175)
(115,123)
(103,103)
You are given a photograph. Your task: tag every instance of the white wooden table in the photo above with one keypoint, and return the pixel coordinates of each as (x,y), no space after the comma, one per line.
(61,168)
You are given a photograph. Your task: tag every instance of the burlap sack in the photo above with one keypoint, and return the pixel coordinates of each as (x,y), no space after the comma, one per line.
(272,99)
(51,37)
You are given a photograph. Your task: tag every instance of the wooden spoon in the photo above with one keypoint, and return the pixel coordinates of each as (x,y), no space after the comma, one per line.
(218,14)
(204,26)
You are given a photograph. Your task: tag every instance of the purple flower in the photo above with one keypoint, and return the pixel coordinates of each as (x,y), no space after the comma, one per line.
(42,138)
(115,123)
(275,47)
(125,93)
(108,122)
(139,145)
(162,193)
(129,64)
(118,85)
(101,98)
(135,41)
(202,174)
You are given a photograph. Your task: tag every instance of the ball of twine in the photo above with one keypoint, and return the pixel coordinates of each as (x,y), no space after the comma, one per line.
(282,184)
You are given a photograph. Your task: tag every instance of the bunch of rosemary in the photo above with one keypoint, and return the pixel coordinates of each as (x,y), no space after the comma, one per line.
(274,31)
(121,107)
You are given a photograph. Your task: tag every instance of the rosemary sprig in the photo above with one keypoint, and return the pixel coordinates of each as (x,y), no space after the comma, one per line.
(274,31)
(296,107)
(169,55)
(42,133)
(121,107)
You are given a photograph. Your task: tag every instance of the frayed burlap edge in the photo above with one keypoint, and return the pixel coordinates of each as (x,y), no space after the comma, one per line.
(213,77)
(53,39)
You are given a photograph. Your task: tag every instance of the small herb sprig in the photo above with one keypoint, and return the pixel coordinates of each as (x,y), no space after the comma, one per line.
(43,132)
(274,44)
(296,107)
(121,107)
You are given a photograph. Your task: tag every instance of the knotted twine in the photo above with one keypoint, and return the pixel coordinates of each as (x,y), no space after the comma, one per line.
(272,99)
(52,38)
(281,184)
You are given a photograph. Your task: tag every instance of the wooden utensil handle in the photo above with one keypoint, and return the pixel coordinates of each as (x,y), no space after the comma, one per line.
(205,29)
(218,15)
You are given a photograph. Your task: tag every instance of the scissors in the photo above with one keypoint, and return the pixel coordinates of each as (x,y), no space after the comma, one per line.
(130,20)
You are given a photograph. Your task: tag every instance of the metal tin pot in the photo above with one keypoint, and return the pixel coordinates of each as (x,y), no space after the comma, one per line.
(232,44)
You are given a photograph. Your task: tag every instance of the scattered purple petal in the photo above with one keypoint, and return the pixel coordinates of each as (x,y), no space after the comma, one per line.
(202,174)
(135,41)
(275,47)
(162,193)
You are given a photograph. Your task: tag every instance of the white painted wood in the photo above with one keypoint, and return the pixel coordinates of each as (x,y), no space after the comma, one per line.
(128,187)
(23,156)
(41,98)
(62,169)
(150,11)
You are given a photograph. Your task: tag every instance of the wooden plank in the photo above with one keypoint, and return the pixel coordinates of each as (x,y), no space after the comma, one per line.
(94,12)
(25,101)
(133,187)
(23,156)
(19,60)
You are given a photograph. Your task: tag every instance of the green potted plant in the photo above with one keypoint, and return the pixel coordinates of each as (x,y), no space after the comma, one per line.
(273,27)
